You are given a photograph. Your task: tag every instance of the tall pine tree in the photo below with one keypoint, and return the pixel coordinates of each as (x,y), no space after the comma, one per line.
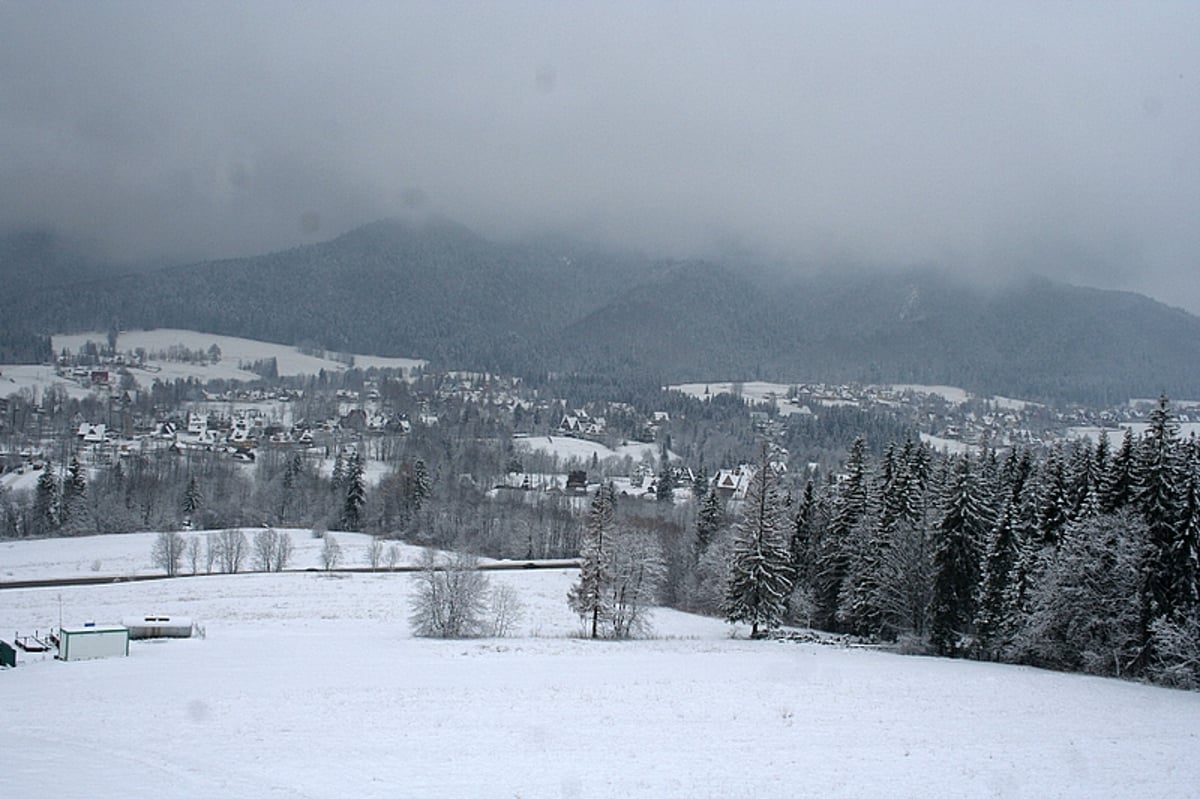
(1166,592)
(590,597)
(709,520)
(965,523)
(356,494)
(45,504)
(850,506)
(760,571)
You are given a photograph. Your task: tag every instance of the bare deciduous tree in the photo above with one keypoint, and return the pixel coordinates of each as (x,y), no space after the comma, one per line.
(451,598)
(194,553)
(375,552)
(266,541)
(331,553)
(168,551)
(233,547)
(637,572)
(506,610)
(283,552)
(212,552)
(393,556)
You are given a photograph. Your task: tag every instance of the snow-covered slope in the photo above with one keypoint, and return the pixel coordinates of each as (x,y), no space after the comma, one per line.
(289,360)
(566,448)
(312,685)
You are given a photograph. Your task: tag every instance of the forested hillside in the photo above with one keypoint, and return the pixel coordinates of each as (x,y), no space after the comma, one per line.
(438,291)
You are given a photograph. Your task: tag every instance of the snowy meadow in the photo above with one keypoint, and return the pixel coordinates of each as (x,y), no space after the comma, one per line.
(311,684)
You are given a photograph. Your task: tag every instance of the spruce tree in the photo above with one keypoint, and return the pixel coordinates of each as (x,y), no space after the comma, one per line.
(291,478)
(1188,547)
(850,505)
(590,595)
(1102,460)
(919,467)
(1053,500)
(760,571)
(996,613)
(337,479)
(422,486)
(664,486)
(1117,483)
(1160,482)
(356,494)
(1083,480)
(74,498)
(192,499)
(45,504)
(804,541)
(956,560)
(859,606)
(709,520)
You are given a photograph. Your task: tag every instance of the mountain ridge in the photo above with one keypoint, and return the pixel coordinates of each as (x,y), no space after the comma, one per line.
(437,290)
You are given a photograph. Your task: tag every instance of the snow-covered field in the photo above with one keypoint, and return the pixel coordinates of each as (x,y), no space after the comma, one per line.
(947,444)
(951,394)
(129,554)
(233,350)
(566,448)
(15,378)
(20,481)
(753,391)
(1186,430)
(309,685)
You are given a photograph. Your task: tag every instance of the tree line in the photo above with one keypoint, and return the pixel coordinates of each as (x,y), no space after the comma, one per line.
(1080,558)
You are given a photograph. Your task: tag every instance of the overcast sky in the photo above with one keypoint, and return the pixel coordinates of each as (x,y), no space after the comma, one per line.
(992,138)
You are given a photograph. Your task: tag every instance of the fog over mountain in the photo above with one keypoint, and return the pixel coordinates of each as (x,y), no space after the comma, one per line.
(989,140)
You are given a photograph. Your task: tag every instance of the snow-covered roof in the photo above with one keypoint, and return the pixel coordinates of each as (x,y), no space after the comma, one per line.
(96,628)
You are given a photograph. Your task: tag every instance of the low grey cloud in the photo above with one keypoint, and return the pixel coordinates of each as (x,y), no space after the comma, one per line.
(989,139)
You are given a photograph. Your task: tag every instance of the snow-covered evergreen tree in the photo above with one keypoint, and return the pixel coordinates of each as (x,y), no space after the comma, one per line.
(1168,588)
(74,499)
(1083,480)
(45,504)
(760,570)
(709,519)
(422,487)
(356,494)
(965,523)
(904,583)
(290,484)
(192,499)
(1083,601)
(1054,502)
(805,539)
(849,507)
(590,596)
(867,545)
(996,614)
(1188,545)
(664,485)
(337,478)
(1117,489)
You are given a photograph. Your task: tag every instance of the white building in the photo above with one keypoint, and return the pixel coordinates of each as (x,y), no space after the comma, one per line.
(92,641)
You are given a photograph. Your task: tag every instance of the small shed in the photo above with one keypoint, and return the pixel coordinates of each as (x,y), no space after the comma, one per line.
(158,627)
(93,641)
